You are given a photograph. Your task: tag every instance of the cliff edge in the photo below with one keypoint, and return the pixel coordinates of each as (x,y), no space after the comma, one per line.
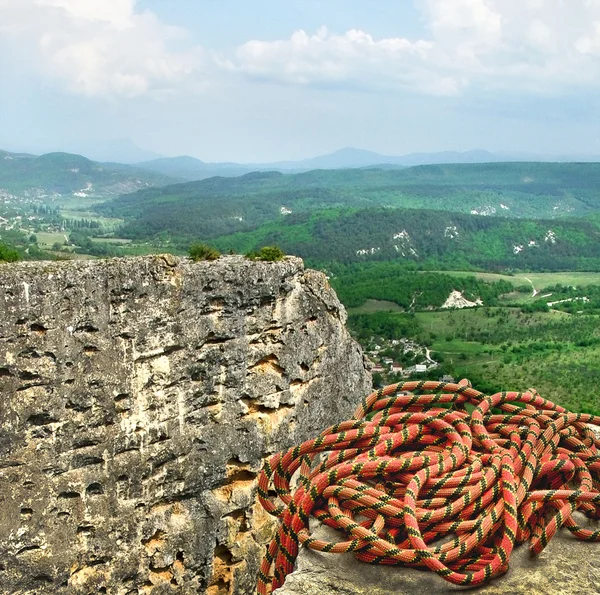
(139,399)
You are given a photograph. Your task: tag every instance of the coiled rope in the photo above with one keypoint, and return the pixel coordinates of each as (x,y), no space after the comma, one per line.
(435,475)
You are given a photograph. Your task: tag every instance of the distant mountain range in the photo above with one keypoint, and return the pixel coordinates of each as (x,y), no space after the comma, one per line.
(116,150)
(353,158)
(191,169)
(23,174)
(64,174)
(121,150)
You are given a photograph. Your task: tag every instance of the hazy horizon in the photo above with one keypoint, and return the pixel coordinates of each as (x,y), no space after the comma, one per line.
(104,155)
(266,81)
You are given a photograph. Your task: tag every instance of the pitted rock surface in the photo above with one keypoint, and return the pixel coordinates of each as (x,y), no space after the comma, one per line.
(139,399)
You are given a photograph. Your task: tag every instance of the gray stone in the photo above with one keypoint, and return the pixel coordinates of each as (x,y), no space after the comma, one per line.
(566,567)
(139,399)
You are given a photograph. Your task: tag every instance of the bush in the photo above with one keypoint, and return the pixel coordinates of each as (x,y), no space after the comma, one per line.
(8,254)
(203,252)
(267,253)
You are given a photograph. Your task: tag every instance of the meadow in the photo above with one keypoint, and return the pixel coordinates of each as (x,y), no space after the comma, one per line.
(538,280)
(46,240)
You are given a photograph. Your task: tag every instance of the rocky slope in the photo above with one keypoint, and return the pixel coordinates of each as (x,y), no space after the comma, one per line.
(139,398)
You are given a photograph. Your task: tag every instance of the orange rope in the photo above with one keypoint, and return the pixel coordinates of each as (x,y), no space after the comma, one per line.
(425,462)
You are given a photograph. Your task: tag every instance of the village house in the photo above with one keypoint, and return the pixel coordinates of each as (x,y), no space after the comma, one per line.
(446,378)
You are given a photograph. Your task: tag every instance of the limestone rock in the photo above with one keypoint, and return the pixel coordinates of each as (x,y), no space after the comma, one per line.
(138,400)
(566,567)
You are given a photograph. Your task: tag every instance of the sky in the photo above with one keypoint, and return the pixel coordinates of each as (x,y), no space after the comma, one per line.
(266,80)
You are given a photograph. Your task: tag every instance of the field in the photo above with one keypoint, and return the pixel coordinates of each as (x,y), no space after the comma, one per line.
(539,280)
(77,204)
(115,241)
(76,213)
(371,306)
(47,240)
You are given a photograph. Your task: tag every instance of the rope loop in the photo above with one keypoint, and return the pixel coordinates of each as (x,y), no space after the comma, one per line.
(438,476)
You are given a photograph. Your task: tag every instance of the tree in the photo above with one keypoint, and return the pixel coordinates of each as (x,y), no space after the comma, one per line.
(8,254)
(377,380)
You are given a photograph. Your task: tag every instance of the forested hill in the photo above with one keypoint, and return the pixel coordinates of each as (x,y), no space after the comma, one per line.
(66,174)
(428,239)
(217,206)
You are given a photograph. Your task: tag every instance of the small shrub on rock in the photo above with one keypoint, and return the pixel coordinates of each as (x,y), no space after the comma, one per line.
(267,253)
(203,252)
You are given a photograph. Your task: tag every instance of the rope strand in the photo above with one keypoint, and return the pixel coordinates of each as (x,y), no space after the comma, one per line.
(437,476)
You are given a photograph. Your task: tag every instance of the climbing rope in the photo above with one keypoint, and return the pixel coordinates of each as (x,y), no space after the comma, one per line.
(436,476)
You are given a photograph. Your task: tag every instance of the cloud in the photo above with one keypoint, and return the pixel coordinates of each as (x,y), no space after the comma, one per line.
(474,20)
(542,46)
(98,47)
(110,48)
(535,44)
(115,12)
(354,57)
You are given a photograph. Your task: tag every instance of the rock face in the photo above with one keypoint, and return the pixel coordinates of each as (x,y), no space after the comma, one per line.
(457,300)
(566,567)
(138,400)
